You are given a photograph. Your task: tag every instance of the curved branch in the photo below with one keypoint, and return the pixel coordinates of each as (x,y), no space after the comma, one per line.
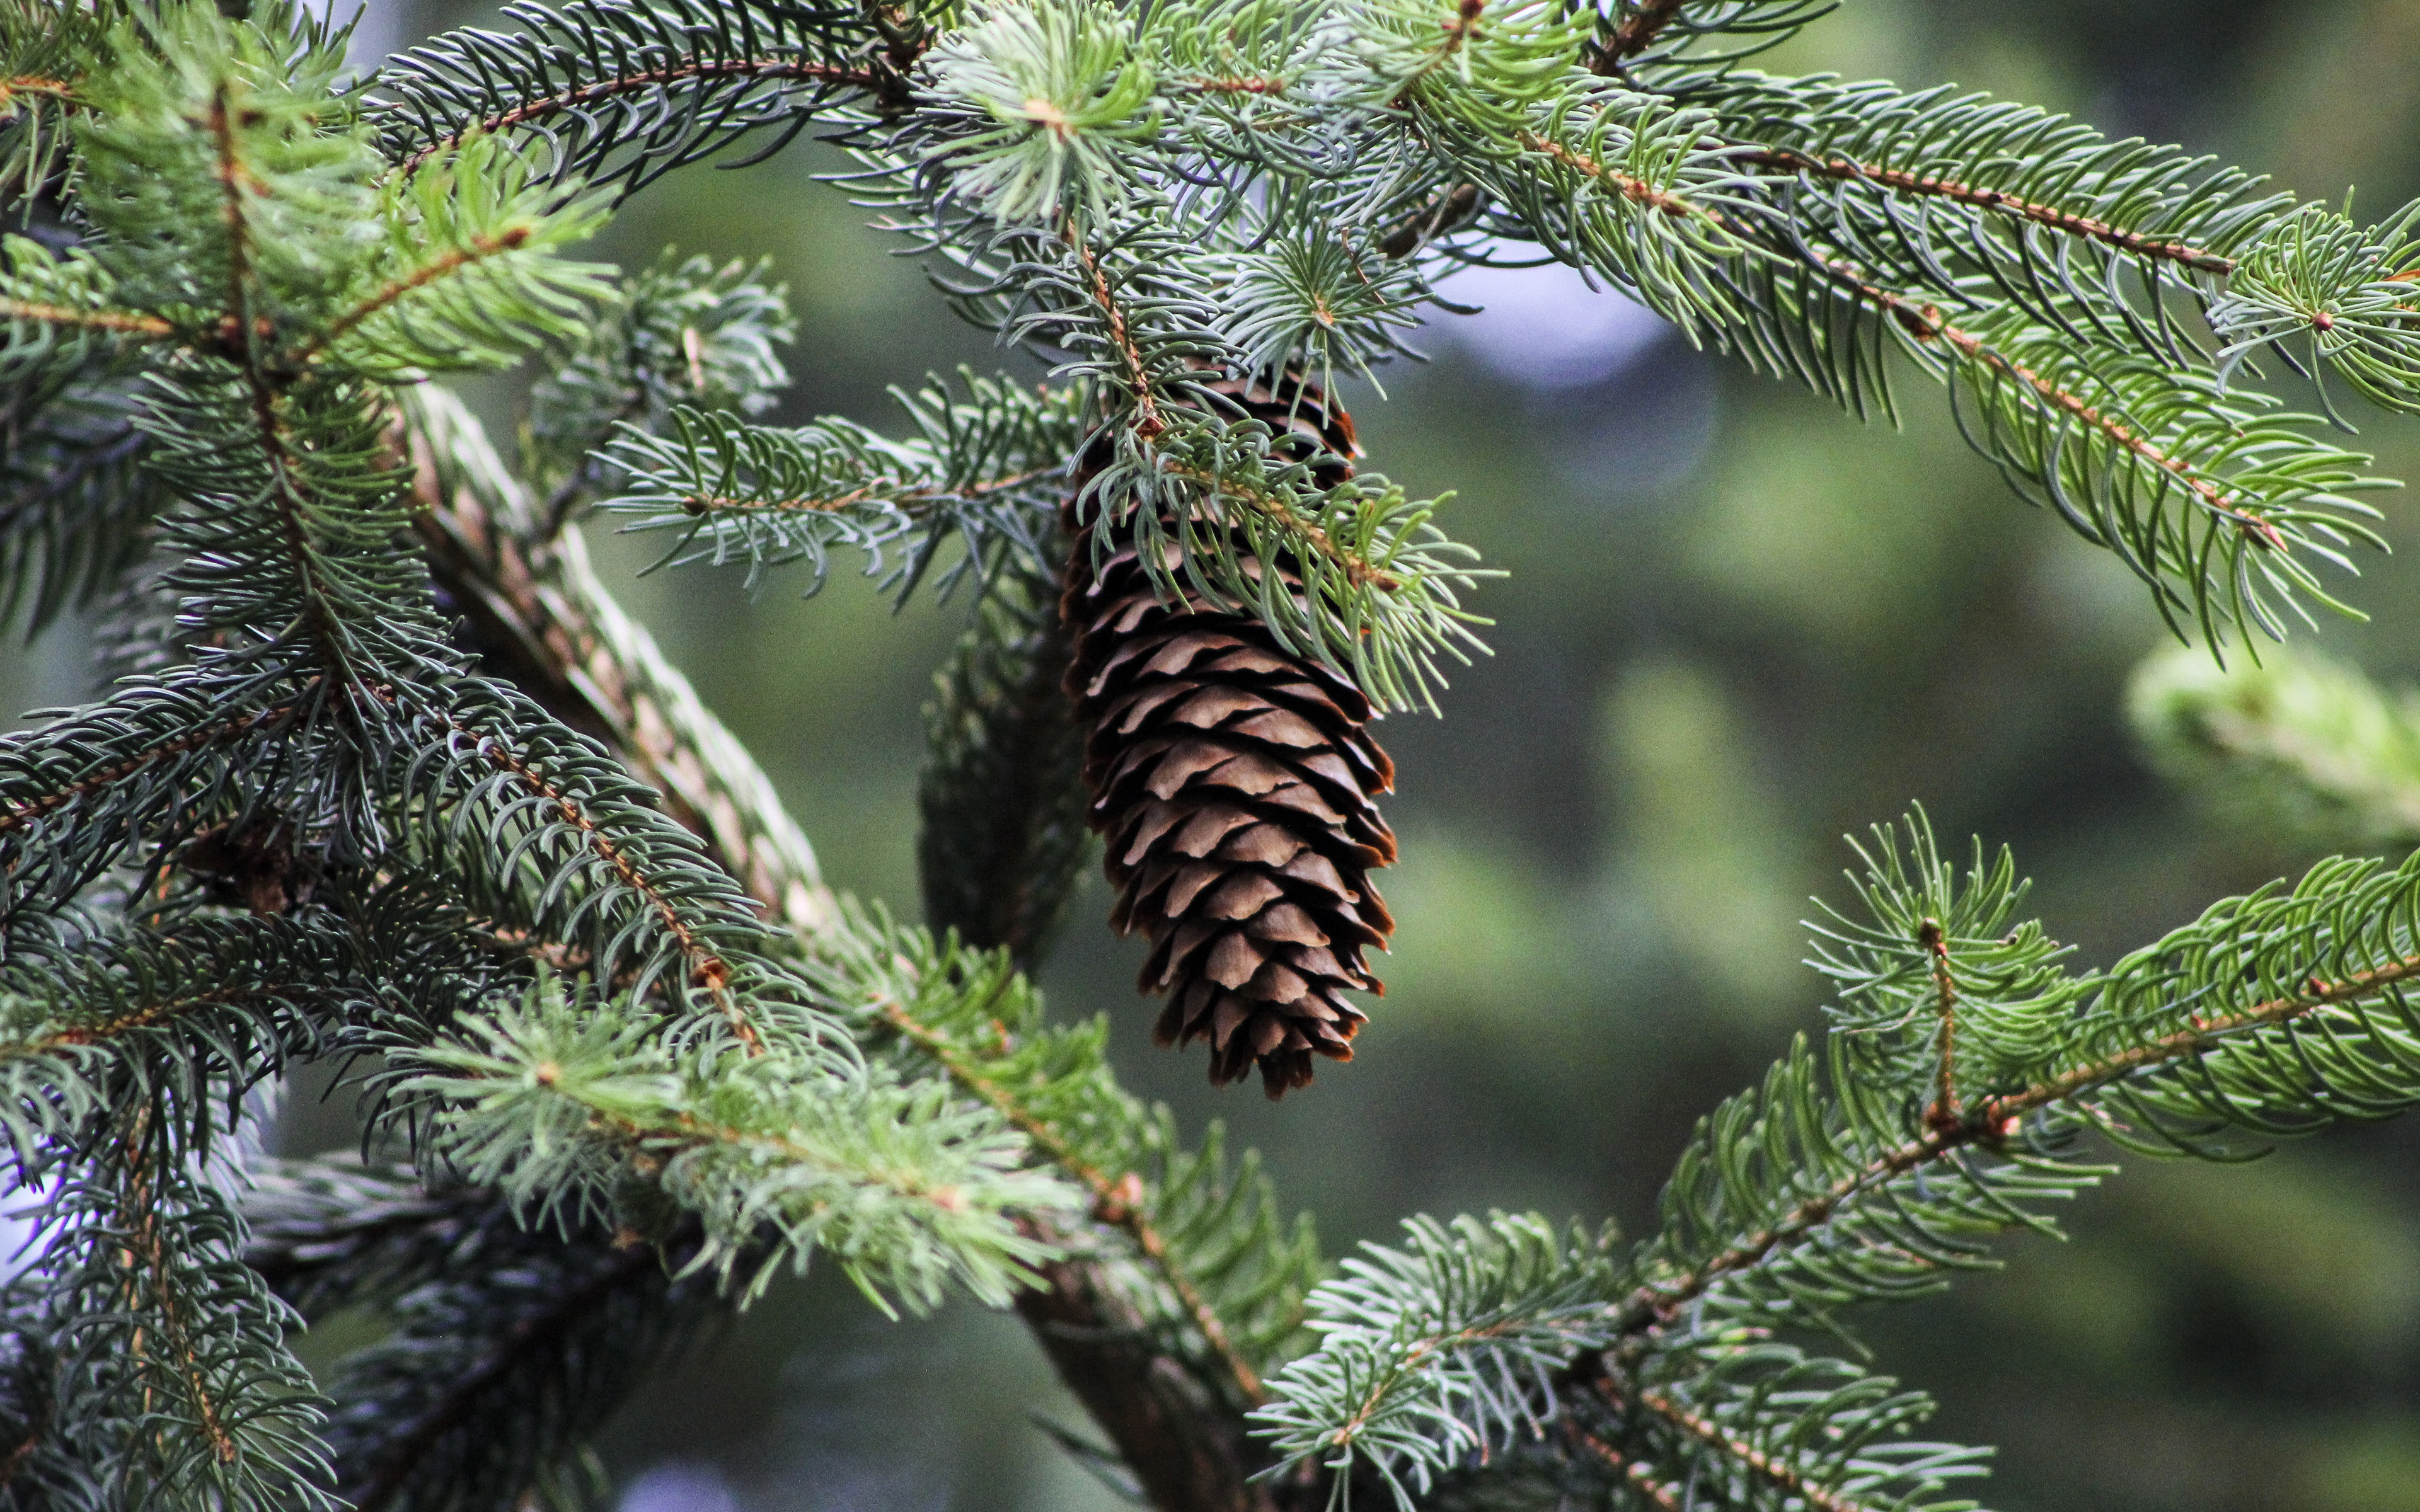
(689,70)
(455,1406)
(539,609)
(26,810)
(1992,1121)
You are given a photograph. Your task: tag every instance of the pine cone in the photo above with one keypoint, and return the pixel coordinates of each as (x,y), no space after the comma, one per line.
(1233,782)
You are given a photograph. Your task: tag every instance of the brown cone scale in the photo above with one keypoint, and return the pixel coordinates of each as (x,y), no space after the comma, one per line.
(1235,784)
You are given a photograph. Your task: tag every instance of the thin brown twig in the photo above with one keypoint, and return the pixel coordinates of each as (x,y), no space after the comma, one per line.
(28,809)
(124,322)
(159,1012)
(143,1217)
(1636,191)
(1632,36)
(914,501)
(1638,1475)
(34,84)
(589,94)
(512,238)
(1933,186)
(1791,1480)
(1944,1112)
(1411,1360)
(1147,421)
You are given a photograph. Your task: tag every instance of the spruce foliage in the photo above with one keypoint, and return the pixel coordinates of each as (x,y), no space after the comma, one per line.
(391,781)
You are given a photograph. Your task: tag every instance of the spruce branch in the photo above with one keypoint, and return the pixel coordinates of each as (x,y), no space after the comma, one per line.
(1171,222)
(1784,1476)
(1842,1181)
(907,1195)
(1965,181)
(1636,29)
(334,1233)
(1971,192)
(1191,1201)
(511,1344)
(621,92)
(1501,1304)
(80,791)
(1634,1475)
(2137,443)
(984,466)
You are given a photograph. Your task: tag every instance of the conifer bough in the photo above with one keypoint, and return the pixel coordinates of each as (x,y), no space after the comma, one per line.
(385,778)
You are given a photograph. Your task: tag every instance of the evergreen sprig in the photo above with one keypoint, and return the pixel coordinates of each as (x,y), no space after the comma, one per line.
(1217,1265)
(987,466)
(685,331)
(625,91)
(907,1195)
(1495,1307)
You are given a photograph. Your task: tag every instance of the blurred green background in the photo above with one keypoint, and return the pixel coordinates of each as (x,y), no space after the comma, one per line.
(1737,626)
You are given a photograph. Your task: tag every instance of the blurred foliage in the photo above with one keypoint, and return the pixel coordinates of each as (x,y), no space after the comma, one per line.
(2295,752)
(1736,627)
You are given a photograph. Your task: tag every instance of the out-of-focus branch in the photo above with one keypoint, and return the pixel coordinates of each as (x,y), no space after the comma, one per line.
(2295,753)
(542,620)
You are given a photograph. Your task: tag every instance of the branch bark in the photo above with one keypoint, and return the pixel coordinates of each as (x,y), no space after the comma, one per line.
(1188,1451)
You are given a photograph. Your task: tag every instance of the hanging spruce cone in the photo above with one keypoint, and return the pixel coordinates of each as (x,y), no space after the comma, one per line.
(1234,783)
